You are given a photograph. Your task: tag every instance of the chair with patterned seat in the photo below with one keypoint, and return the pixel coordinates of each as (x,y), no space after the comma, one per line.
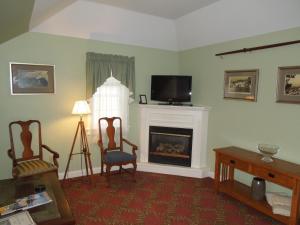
(113,154)
(29,163)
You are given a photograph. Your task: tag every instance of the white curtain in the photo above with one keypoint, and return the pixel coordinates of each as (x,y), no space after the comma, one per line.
(111,99)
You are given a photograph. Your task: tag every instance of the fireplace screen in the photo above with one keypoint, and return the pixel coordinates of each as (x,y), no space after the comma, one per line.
(170,145)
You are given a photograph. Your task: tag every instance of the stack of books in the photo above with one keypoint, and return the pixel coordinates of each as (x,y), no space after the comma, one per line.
(280,202)
(21,218)
(22,204)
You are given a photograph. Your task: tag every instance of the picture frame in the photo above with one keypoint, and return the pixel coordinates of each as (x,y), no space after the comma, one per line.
(29,79)
(143,99)
(241,84)
(288,84)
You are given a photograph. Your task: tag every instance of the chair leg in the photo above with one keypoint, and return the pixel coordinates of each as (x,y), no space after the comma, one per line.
(108,167)
(101,167)
(134,170)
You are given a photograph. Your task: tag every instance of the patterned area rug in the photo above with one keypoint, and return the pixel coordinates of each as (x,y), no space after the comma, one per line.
(156,199)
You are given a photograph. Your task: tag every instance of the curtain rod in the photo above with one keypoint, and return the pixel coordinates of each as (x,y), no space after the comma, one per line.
(259,48)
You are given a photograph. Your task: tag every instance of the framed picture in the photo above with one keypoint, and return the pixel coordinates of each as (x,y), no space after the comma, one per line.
(143,99)
(241,84)
(31,79)
(288,84)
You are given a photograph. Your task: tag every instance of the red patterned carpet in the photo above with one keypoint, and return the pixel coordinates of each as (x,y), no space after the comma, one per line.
(156,199)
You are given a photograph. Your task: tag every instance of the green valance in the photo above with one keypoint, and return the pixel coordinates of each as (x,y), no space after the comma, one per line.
(99,68)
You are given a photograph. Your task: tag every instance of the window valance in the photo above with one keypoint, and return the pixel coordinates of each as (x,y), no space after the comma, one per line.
(100,66)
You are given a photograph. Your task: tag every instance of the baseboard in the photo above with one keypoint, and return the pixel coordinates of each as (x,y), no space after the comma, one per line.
(174,170)
(79,173)
(211,174)
(152,168)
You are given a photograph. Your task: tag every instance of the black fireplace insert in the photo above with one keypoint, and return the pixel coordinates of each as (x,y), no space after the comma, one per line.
(168,145)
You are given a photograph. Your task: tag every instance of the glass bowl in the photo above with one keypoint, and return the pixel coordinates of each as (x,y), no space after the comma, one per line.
(268,151)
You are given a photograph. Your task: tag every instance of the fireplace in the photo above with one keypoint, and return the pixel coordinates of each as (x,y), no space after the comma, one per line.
(194,118)
(168,145)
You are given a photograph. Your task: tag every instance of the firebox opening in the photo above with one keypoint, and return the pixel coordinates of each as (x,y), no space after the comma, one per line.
(170,145)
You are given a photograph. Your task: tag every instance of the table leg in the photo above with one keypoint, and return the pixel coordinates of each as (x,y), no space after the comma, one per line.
(295,204)
(231,173)
(217,172)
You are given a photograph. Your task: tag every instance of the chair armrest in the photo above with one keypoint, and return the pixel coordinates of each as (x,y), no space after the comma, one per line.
(11,155)
(134,147)
(55,154)
(129,143)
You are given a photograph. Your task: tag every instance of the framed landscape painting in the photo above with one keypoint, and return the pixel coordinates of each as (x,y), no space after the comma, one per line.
(288,84)
(31,78)
(241,84)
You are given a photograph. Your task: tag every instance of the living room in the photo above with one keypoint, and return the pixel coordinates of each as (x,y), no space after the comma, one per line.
(186,45)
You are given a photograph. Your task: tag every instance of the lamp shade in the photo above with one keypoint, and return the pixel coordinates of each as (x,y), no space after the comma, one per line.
(81,107)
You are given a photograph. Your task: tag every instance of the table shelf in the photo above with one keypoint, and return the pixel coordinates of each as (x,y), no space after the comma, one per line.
(242,193)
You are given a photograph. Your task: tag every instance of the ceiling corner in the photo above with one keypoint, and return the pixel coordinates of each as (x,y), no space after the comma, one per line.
(14,18)
(44,9)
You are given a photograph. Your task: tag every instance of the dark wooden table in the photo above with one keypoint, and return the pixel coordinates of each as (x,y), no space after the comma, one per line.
(57,212)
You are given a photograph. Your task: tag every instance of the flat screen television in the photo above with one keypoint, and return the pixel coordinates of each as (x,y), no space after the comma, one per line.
(171,88)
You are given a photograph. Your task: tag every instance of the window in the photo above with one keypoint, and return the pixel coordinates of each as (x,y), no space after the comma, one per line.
(110,99)
(108,95)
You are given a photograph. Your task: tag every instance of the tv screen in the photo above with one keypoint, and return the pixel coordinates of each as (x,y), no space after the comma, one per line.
(171,89)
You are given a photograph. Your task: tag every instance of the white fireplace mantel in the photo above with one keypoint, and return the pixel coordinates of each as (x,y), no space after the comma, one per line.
(195,118)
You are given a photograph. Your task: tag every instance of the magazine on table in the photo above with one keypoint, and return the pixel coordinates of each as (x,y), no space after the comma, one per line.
(27,202)
(20,218)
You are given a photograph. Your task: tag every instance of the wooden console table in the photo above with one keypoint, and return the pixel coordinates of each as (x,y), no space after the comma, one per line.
(280,172)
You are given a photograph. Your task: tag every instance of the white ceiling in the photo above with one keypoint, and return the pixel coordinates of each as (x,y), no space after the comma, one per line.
(218,21)
(170,9)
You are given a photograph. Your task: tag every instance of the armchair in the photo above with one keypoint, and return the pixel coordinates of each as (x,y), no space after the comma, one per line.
(113,154)
(29,164)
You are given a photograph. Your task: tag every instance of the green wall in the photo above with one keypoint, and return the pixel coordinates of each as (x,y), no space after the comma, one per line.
(241,123)
(54,111)
(231,122)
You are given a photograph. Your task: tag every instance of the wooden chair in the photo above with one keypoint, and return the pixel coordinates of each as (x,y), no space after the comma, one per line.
(29,164)
(113,154)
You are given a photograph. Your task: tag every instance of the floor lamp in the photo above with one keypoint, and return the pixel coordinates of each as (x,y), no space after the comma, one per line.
(81,108)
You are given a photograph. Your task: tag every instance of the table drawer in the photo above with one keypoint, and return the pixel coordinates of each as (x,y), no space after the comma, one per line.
(235,163)
(274,177)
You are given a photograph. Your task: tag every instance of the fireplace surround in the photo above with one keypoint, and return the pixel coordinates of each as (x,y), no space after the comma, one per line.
(182,117)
